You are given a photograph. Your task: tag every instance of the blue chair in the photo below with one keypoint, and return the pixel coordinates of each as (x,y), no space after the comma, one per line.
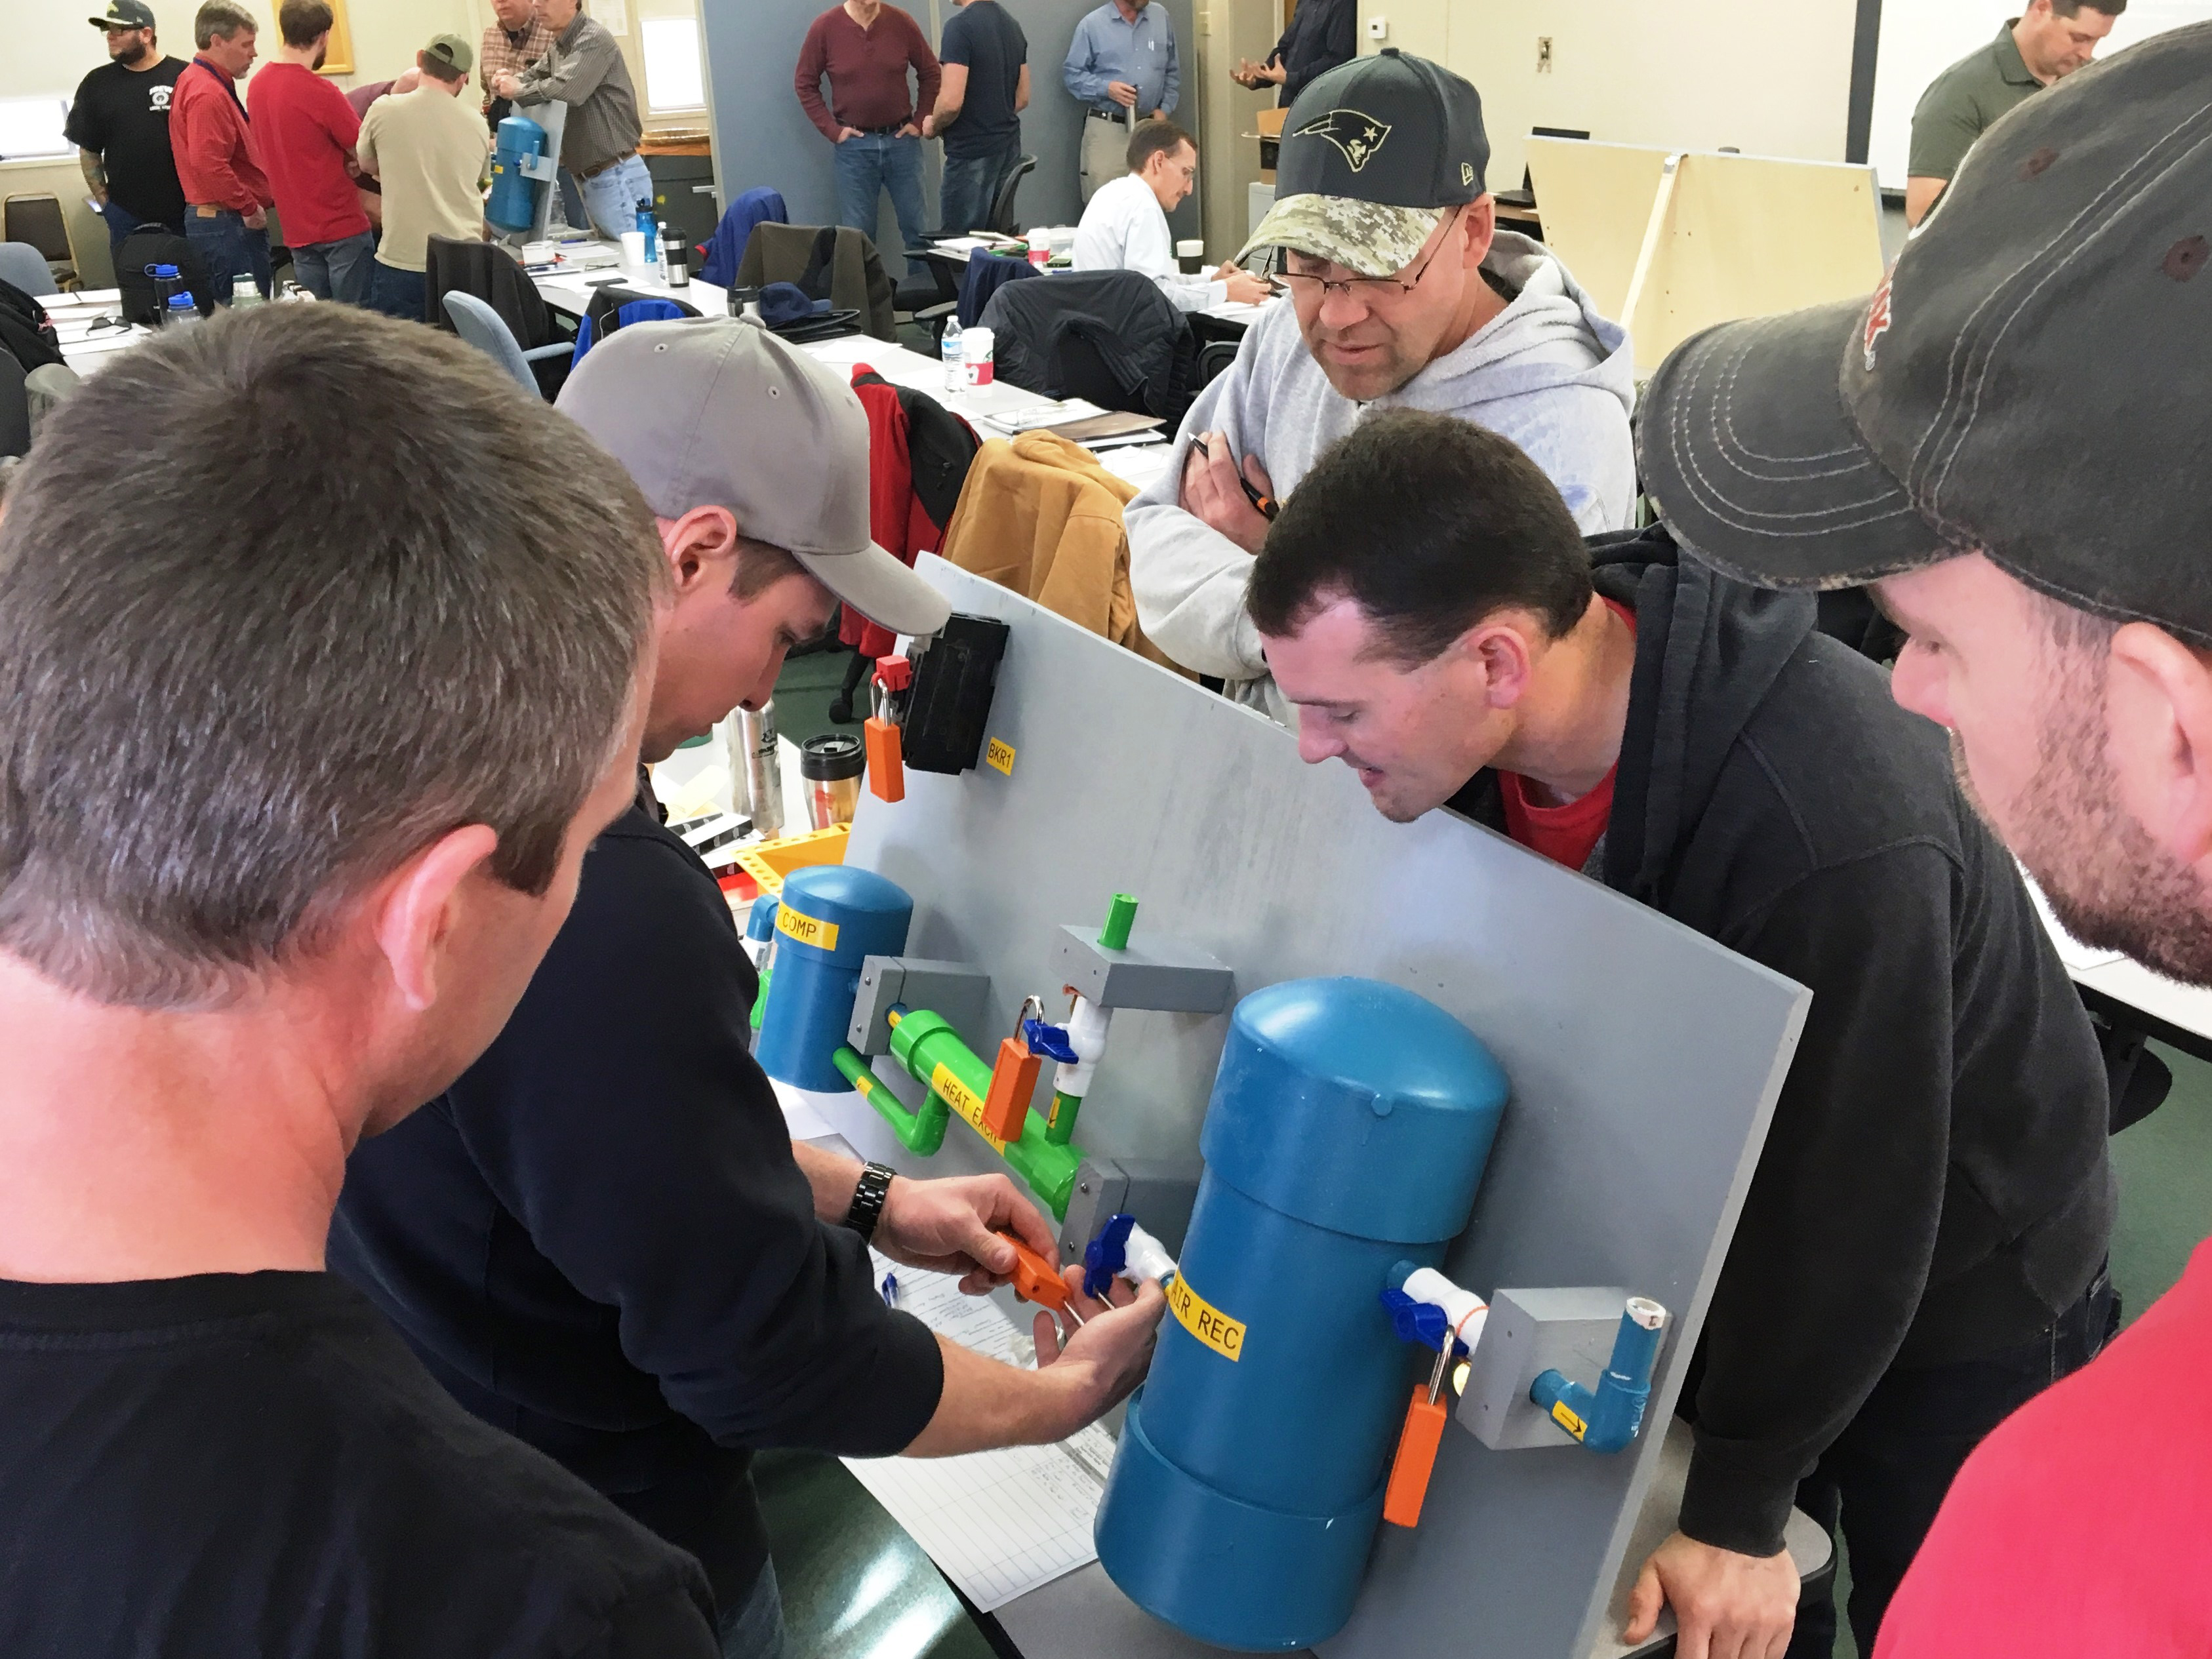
(27,268)
(480,325)
(726,246)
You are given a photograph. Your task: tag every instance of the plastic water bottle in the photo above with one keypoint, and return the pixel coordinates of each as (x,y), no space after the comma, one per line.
(167,283)
(648,227)
(183,309)
(245,292)
(953,357)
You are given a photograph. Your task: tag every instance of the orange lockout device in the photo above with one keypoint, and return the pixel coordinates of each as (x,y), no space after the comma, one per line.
(1036,1279)
(886,764)
(1013,1081)
(1418,1442)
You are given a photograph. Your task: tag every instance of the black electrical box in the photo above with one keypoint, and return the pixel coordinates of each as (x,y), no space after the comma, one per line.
(951,701)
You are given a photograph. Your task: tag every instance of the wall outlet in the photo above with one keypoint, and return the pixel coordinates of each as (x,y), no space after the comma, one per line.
(1543,54)
(1378,29)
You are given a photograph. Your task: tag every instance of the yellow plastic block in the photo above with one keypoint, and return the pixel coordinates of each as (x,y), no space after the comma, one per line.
(769,863)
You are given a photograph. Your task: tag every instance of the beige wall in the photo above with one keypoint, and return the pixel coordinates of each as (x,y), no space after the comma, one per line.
(1228,31)
(1771,77)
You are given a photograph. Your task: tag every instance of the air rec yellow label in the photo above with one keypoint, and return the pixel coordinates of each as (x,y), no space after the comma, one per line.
(1567,1420)
(1224,1335)
(1000,756)
(964,1100)
(822,935)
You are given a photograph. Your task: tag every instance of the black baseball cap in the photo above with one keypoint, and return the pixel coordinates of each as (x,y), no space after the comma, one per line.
(126,14)
(2026,382)
(1373,154)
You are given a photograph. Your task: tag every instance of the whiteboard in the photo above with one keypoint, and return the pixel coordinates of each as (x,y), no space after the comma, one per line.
(1921,38)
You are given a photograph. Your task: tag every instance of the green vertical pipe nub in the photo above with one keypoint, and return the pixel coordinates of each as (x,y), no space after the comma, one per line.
(1120,916)
(1059,1123)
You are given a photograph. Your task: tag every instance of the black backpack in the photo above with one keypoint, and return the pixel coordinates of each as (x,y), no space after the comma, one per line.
(939,448)
(157,245)
(26,333)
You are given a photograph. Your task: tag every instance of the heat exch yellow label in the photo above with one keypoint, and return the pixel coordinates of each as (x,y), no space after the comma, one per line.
(806,929)
(964,1100)
(1224,1335)
(1567,1420)
(1000,756)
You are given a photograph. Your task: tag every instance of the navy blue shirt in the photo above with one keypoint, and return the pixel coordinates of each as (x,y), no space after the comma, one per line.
(983,36)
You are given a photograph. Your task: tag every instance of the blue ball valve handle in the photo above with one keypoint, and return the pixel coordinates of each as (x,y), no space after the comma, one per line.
(1123,1249)
(1608,1419)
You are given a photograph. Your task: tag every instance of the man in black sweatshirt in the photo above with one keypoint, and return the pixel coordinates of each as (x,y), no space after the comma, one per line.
(1922,1248)
(602,1238)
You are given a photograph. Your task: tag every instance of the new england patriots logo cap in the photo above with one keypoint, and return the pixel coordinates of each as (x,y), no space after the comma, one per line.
(2026,382)
(1373,154)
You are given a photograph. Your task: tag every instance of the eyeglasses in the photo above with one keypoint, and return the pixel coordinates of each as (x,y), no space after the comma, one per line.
(1366,287)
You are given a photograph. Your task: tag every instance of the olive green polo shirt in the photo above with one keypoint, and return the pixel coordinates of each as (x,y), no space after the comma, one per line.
(1963,100)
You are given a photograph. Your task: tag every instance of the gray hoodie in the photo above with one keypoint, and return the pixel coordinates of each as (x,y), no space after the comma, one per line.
(1547,372)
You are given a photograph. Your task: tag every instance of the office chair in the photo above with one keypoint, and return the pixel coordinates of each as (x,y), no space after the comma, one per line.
(480,325)
(27,268)
(1002,208)
(36,218)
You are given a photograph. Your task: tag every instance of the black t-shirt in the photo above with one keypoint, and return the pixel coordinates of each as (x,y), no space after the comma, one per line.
(123,115)
(254,1464)
(982,36)
(598,1239)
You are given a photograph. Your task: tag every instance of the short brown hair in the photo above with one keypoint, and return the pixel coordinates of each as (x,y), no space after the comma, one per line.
(1160,138)
(359,592)
(303,22)
(224,17)
(2073,8)
(438,69)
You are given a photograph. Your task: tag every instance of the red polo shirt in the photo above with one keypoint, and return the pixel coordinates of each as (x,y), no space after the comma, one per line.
(304,132)
(208,136)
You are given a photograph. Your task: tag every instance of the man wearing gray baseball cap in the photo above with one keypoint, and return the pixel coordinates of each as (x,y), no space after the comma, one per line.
(602,1238)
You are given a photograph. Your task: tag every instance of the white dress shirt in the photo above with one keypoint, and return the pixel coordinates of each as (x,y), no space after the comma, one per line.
(1124,228)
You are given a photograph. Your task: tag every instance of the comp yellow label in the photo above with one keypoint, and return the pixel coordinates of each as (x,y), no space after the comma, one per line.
(1224,1335)
(964,1100)
(806,929)
(1000,756)
(1567,1420)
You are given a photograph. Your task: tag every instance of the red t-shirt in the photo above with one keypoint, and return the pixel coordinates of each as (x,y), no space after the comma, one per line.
(303,135)
(2082,1527)
(1565,835)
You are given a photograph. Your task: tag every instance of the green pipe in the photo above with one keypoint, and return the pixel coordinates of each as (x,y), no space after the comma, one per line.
(931,1052)
(1120,914)
(1059,1124)
(760,1002)
(921,1132)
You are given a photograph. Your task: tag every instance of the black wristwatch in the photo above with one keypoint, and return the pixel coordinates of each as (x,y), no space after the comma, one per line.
(868,1200)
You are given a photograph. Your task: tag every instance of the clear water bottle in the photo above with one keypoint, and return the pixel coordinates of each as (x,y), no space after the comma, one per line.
(167,285)
(182,309)
(245,292)
(953,355)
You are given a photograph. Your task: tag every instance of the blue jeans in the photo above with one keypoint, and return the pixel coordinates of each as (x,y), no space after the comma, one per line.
(871,164)
(229,251)
(398,293)
(120,222)
(756,1630)
(337,270)
(971,188)
(1884,1476)
(612,197)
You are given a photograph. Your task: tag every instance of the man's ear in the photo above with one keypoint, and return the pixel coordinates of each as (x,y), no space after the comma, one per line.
(417,904)
(1497,649)
(2158,723)
(1478,224)
(702,548)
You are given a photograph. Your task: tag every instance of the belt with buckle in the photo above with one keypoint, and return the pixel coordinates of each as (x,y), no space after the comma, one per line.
(1116,113)
(593,172)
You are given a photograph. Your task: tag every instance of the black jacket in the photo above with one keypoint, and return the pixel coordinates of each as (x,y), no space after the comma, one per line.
(1109,336)
(597,1238)
(1935,1185)
(1322,34)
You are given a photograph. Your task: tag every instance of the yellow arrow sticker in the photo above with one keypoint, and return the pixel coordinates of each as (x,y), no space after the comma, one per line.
(822,935)
(1224,1335)
(1567,1420)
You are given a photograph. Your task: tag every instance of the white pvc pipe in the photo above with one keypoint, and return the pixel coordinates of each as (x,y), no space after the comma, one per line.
(1147,1257)
(1466,1312)
(1086,1035)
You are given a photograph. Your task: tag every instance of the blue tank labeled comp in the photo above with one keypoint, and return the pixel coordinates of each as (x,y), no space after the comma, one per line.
(513,202)
(832,917)
(1347,1133)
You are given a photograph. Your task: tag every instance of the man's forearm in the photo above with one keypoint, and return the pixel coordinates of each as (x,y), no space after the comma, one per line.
(831,1175)
(95,172)
(987,1403)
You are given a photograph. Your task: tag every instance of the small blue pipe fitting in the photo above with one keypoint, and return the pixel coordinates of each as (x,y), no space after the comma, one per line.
(1608,1419)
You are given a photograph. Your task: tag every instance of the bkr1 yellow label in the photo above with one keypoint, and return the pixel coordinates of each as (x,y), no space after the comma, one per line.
(1567,1420)
(806,929)
(1000,756)
(964,1100)
(1224,1335)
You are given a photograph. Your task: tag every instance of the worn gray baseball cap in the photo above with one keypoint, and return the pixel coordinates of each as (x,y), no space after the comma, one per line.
(712,411)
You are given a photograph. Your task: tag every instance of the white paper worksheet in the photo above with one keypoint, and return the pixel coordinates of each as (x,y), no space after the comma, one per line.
(997,1523)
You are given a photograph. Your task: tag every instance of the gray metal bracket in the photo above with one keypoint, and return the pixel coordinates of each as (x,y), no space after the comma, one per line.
(1530,1332)
(1158,1192)
(959,991)
(1161,974)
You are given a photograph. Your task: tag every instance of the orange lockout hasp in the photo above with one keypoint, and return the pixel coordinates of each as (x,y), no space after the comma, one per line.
(1036,1279)
(1417,1457)
(886,759)
(1013,1081)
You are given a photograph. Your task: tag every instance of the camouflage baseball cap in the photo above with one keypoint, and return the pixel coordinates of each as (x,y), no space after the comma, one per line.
(1373,153)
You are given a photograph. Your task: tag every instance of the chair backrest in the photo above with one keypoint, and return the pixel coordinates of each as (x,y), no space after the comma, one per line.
(14,409)
(490,273)
(479,325)
(36,217)
(799,254)
(1002,210)
(984,274)
(25,266)
(1123,340)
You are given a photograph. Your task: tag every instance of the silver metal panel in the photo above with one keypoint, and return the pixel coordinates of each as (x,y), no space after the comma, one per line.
(1644,1058)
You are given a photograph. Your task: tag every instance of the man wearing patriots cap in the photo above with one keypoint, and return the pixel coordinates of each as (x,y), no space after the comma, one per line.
(1404,294)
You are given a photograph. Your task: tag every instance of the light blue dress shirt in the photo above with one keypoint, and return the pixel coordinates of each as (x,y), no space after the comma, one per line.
(1108,47)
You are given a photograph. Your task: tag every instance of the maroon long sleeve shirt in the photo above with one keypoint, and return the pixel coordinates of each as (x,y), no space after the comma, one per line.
(866,70)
